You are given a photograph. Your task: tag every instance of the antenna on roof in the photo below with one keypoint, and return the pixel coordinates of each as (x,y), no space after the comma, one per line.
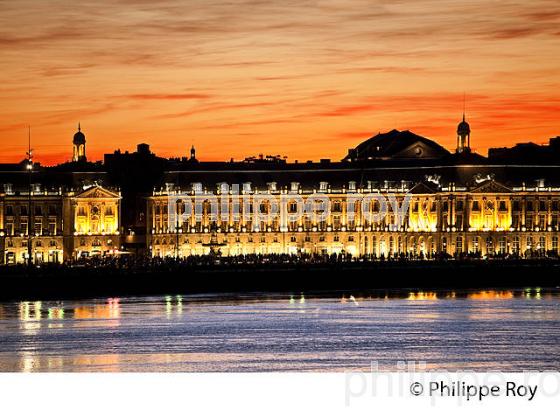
(464,104)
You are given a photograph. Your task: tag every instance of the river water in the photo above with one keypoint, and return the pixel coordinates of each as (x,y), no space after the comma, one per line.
(480,330)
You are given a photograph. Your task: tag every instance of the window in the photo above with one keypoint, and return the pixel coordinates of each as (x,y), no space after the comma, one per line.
(515,245)
(350,238)
(459,244)
(337,206)
(502,244)
(9,189)
(293,207)
(293,239)
(542,206)
(555,243)
(323,186)
(515,221)
(502,207)
(38,227)
(515,206)
(530,207)
(9,210)
(336,222)
(542,243)
(489,245)
(459,205)
(352,185)
(476,206)
(38,210)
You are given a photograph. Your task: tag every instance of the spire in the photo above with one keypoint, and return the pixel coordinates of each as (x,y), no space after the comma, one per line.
(79,127)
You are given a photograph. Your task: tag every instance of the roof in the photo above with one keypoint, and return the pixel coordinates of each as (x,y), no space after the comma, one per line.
(397,144)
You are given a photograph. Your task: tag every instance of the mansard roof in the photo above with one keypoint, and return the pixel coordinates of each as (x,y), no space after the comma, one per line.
(397,145)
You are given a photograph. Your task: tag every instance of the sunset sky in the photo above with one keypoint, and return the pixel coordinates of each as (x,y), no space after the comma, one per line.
(306,79)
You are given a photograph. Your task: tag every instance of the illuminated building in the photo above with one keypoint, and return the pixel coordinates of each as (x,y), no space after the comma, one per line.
(489,218)
(458,203)
(94,215)
(60,225)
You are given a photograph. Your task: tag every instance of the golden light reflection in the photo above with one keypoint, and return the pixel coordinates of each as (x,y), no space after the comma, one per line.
(422,296)
(29,362)
(490,295)
(111,310)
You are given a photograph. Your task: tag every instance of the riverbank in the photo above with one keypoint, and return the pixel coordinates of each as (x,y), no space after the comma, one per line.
(51,282)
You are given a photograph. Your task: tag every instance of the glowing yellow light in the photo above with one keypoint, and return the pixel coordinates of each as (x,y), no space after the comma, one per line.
(490,294)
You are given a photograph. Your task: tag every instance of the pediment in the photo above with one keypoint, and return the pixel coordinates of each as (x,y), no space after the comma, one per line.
(491,187)
(97,192)
(421,188)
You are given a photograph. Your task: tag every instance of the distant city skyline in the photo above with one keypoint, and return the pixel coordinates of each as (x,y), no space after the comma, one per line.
(306,79)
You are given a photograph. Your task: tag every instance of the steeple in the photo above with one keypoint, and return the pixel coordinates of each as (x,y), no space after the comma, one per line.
(79,142)
(463,135)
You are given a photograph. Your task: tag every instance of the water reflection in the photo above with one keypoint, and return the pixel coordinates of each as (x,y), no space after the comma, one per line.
(449,330)
(422,296)
(490,295)
(173,305)
(109,310)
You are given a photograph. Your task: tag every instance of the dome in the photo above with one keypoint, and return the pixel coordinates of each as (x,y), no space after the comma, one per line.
(463,128)
(79,137)
(397,145)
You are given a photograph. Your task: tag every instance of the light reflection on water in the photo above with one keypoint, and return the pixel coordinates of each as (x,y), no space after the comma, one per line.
(484,330)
